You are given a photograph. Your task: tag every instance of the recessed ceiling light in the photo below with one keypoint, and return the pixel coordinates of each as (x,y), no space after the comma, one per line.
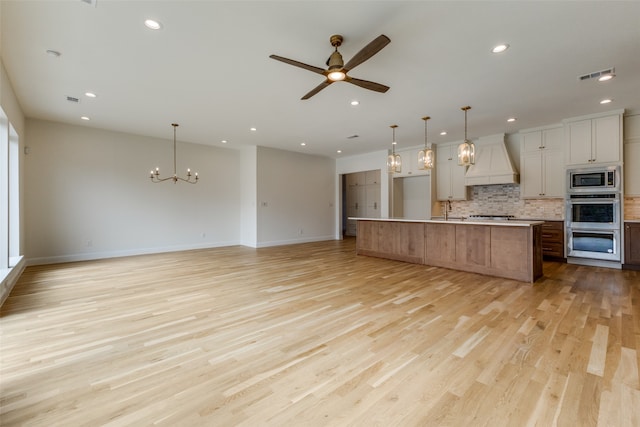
(224,141)
(85,118)
(339,151)
(152,24)
(443,133)
(90,95)
(512,119)
(303,143)
(355,102)
(253,129)
(53,53)
(500,48)
(606,101)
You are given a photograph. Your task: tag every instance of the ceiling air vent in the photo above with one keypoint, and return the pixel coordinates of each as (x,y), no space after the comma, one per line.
(72,99)
(597,74)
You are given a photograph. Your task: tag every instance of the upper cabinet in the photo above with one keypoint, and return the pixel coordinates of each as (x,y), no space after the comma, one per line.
(594,140)
(449,176)
(542,163)
(632,155)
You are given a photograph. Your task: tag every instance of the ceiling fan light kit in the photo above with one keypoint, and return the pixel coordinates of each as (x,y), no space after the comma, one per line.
(337,70)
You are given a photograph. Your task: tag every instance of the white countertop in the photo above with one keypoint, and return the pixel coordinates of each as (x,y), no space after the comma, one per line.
(631,220)
(508,223)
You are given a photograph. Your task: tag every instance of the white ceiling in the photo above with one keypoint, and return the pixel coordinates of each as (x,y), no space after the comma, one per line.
(209,69)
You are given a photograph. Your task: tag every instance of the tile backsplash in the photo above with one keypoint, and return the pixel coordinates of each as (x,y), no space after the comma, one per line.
(504,199)
(632,208)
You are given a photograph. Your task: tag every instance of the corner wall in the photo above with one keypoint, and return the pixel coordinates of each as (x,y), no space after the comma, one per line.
(90,195)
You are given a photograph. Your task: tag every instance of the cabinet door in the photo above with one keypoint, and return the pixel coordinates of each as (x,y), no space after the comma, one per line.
(373,201)
(553,139)
(606,139)
(458,188)
(372,177)
(553,173)
(632,243)
(531,179)
(531,142)
(579,142)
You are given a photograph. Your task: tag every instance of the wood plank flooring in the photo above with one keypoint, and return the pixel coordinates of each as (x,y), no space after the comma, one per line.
(313,335)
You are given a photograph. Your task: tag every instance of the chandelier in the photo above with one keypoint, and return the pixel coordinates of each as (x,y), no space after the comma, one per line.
(466,150)
(394,161)
(155,174)
(426,157)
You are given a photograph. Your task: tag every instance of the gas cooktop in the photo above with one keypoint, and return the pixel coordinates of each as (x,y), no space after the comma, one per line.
(493,217)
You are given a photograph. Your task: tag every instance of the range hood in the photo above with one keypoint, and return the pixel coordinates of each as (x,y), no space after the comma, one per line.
(493,164)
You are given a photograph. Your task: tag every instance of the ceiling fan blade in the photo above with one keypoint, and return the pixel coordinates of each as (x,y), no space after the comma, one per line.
(317,89)
(367,84)
(368,51)
(298,64)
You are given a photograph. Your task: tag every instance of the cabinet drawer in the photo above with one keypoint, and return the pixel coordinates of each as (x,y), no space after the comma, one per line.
(552,236)
(553,239)
(553,249)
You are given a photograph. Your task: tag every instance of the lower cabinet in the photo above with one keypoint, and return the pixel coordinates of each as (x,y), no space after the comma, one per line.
(632,244)
(553,239)
(513,252)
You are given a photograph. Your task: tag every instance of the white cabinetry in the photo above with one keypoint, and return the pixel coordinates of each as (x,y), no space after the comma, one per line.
(632,156)
(594,140)
(449,176)
(542,173)
(363,197)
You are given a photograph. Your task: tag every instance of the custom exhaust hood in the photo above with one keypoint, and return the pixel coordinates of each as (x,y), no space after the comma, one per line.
(493,164)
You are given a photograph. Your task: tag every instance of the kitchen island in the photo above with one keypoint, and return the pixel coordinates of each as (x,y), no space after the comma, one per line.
(510,249)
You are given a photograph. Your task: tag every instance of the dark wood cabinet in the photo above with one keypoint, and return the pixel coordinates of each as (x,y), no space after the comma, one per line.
(553,239)
(632,244)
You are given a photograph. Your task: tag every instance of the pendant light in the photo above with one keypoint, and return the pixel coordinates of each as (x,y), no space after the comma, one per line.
(466,150)
(155,174)
(426,157)
(394,161)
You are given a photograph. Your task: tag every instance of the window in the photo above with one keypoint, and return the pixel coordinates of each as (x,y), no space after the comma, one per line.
(9,195)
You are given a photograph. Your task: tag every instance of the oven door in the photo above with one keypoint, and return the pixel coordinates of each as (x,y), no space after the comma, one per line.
(593,213)
(595,244)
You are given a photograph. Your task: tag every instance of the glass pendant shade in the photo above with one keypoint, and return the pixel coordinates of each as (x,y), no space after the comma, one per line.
(426,157)
(466,153)
(394,161)
(466,150)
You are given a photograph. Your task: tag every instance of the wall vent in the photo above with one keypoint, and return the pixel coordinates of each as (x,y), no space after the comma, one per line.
(72,99)
(596,74)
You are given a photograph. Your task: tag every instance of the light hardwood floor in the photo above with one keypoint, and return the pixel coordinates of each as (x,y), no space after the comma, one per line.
(313,335)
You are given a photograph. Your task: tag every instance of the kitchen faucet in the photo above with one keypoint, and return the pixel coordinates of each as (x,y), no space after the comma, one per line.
(447,209)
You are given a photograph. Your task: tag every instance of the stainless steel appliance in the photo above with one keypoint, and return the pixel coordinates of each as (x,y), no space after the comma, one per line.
(593,224)
(606,178)
(492,217)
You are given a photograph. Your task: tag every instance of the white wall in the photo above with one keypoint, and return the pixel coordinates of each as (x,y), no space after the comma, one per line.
(249,196)
(295,197)
(88,195)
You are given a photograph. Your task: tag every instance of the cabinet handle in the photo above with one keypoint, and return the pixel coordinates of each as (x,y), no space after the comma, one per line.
(375,205)
(541,147)
(546,249)
(449,158)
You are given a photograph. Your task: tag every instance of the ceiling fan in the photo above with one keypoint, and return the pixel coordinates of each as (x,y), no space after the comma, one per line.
(337,70)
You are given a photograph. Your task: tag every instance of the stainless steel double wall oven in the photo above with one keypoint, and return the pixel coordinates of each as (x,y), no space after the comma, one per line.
(593,217)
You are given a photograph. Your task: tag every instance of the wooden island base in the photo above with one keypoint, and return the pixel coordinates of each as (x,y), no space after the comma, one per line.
(511,249)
